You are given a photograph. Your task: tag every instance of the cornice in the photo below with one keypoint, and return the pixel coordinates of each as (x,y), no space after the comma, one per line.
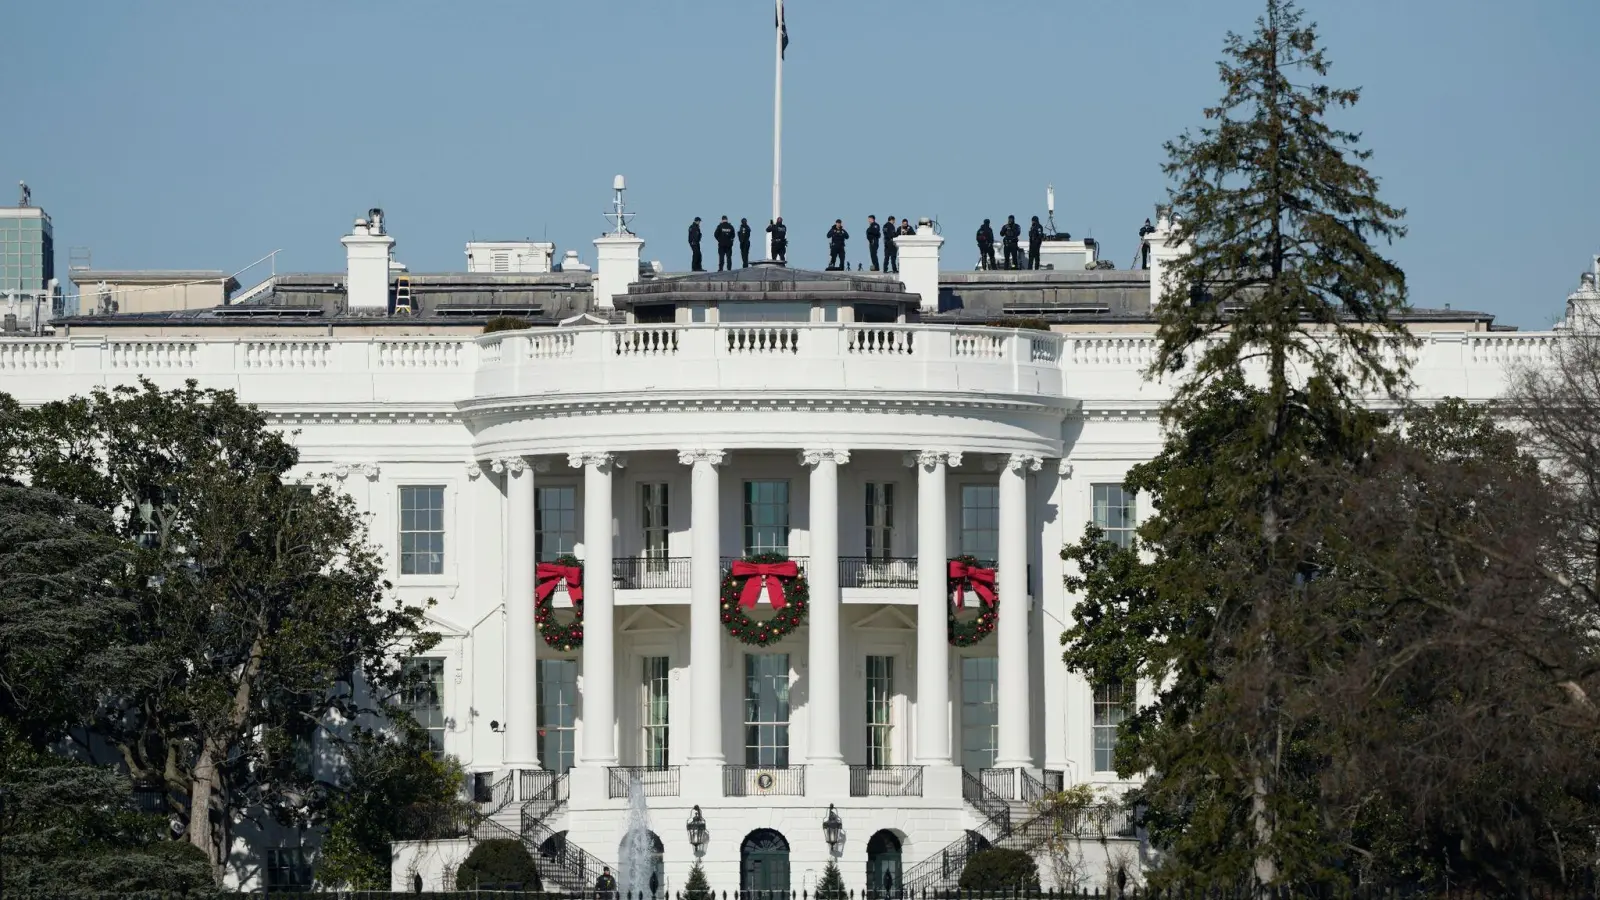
(500,409)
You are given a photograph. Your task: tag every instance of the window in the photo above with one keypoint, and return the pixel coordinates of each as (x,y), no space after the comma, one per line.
(288,867)
(653,515)
(766,517)
(558,712)
(1114,513)
(654,714)
(422,695)
(980,713)
(555,531)
(766,710)
(980,521)
(880,711)
(1112,701)
(422,530)
(880,521)
(763,311)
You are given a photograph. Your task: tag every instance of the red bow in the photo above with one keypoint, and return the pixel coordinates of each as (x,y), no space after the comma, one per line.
(759,575)
(550,575)
(965,578)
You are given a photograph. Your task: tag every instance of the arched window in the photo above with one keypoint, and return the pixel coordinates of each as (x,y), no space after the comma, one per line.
(764,866)
(641,864)
(883,865)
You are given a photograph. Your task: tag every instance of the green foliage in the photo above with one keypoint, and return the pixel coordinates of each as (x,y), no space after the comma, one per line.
(395,788)
(499,863)
(505,323)
(831,885)
(1028,323)
(697,887)
(1000,869)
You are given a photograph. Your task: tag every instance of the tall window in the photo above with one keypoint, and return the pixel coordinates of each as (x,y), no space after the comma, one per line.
(980,712)
(880,520)
(766,517)
(766,710)
(1114,513)
(980,521)
(555,511)
(421,530)
(880,711)
(1112,702)
(423,695)
(288,867)
(558,712)
(654,713)
(653,514)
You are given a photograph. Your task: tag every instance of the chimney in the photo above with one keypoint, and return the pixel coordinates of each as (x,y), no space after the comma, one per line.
(366,276)
(1164,254)
(616,262)
(919,264)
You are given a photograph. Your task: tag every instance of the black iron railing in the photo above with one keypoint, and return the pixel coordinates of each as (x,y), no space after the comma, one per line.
(886,781)
(644,573)
(654,781)
(543,793)
(995,809)
(728,561)
(758,781)
(1000,782)
(1032,788)
(1055,780)
(493,796)
(864,572)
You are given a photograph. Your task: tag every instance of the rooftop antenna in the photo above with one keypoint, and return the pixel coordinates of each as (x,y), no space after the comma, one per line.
(27,195)
(1050,206)
(618,215)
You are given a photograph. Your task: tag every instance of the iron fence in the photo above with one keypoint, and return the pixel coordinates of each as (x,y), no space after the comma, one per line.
(654,781)
(644,573)
(761,781)
(1000,782)
(886,781)
(1131,892)
(868,572)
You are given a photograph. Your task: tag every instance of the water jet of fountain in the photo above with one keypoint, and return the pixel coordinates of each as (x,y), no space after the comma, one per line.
(636,863)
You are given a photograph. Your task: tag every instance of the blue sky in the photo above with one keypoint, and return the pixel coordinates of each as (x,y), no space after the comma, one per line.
(203,134)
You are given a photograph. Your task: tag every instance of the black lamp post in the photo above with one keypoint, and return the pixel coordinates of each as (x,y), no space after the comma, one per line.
(833,829)
(698,837)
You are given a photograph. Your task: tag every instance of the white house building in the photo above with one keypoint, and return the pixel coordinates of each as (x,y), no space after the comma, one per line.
(869,428)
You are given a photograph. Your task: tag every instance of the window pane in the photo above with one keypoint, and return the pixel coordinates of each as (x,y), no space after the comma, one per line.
(1115,513)
(767,710)
(980,718)
(1112,702)
(423,696)
(654,714)
(555,511)
(880,520)
(980,521)
(880,710)
(421,530)
(766,517)
(557,712)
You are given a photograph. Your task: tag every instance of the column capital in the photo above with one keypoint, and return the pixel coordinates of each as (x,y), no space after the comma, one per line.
(600,459)
(812,456)
(930,458)
(517,464)
(474,470)
(366,470)
(701,454)
(1024,463)
(1064,469)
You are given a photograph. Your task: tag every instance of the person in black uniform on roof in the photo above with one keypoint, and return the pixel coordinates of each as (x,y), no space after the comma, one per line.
(744,243)
(724,236)
(836,238)
(906,228)
(694,246)
(891,250)
(1010,233)
(1145,231)
(986,245)
(780,240)
(1035,238)
(873,233)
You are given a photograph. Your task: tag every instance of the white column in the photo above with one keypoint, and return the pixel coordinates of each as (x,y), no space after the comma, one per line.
(822,573)
(933,602)
(1014,742)
(599,613)
(705,607)
(522,640)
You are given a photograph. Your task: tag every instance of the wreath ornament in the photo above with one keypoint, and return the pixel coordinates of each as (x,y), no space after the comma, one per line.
(548,576)
(786,590)
(966,576)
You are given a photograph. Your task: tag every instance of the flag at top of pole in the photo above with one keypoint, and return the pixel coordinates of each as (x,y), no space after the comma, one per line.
(783,32)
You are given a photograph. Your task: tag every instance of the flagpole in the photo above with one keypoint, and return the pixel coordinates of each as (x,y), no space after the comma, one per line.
(777,126)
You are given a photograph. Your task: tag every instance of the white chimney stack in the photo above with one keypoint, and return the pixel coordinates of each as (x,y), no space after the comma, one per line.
(1165,250)
(368,250)
(919,264)
(617,254)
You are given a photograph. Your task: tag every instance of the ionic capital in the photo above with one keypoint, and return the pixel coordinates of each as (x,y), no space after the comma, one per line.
(516,465)
(1024,463)
(701,454)
(930,458)
(599,459)
(1064,469)
(474,470)
(366,470)
(811,457)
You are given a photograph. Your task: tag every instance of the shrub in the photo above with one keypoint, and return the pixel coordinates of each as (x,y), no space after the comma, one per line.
(498,863)
(1000,870)
(506,323)
(1027,322)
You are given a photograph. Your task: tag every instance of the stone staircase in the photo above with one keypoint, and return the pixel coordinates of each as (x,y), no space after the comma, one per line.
(562,864)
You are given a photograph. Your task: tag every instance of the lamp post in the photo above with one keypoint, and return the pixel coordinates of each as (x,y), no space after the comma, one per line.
(698,836)
(833,829)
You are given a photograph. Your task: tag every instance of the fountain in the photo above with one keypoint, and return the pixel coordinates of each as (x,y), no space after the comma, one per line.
(637,874)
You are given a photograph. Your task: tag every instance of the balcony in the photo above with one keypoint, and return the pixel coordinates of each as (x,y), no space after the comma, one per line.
(886,781)
(650,573)
(864,572)
(800,561)
(763,781)
(653,781)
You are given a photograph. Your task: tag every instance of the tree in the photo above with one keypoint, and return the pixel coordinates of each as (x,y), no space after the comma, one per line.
(831,885)
(498,863)
(1000,869)
(259,602)
(394,788)
(697,887)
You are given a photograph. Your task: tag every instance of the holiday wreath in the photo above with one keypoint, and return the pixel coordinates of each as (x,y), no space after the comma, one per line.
(549,576)
(741,591)
(966,575)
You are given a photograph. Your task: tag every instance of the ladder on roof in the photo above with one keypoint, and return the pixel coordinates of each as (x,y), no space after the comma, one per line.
(402,294)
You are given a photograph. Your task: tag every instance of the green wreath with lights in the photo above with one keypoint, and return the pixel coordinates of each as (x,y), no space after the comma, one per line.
(785,619)
(966,632)
(562,636)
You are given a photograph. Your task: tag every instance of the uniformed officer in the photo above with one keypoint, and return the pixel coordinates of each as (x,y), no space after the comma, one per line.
(891,249)
(724,236)
(744,242)
(985,245)
(694,246)
(906,227)
(780,240)
(873,233)
(1145,231)
(1010,233)
(836,238)
(1035,238)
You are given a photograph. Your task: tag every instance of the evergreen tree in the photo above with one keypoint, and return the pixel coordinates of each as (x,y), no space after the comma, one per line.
(697,887)
(831,885)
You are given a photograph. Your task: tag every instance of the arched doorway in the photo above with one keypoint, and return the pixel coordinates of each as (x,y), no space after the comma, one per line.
(764,866)
(644,850)
(883,865)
